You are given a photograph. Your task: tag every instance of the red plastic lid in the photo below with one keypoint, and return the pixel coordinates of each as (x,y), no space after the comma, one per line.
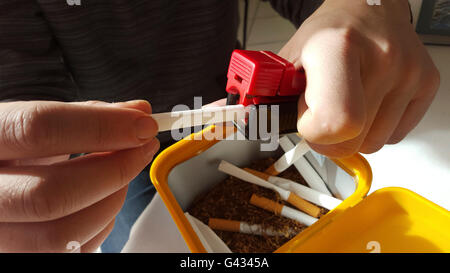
(263,77)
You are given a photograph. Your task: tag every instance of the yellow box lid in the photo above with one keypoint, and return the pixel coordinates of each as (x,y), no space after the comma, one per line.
(388,220)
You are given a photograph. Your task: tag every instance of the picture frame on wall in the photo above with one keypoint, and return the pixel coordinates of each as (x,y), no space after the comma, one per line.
(433,25)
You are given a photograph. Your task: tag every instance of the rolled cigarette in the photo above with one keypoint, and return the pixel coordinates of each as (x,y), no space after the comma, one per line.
(310,175)
(282,210)
(207,236)
(232,170)
(288,158)
(190,118)
(304,192)
(286,195)
(243,227)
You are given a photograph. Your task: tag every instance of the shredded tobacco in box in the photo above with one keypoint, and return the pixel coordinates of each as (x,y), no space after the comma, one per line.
(230,200)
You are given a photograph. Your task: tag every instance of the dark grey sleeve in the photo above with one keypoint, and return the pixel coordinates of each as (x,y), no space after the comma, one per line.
(295,10)
(31,64)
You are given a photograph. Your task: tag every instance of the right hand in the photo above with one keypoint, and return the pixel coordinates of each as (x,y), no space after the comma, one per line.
(370,78)
(45,206)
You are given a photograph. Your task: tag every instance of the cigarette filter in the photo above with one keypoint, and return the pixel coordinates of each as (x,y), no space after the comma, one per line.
(243,227)
(304,192)
(286,195)
(306,170)
(207,236)
(289,158)
(279,209)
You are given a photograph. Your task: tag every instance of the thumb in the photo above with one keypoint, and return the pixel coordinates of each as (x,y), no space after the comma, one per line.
(44,128)
(332,109)
(140,105)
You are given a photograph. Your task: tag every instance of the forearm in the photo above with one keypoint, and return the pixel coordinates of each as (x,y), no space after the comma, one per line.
(388,9)
(299,10)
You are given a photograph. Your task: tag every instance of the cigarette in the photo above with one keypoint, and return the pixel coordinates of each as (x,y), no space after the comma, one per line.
(279,209)
(304,192)
(286,195)
(310,175)
(243,227)
(291,156)
(207,236)
(190,118)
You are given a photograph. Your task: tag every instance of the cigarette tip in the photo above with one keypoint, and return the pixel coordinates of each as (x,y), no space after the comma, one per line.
(271,171)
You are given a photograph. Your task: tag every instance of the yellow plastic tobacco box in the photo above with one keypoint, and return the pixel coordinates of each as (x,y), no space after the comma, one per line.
(388,220)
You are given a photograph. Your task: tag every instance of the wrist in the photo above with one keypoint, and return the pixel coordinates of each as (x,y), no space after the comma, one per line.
(387,9)
(400,8)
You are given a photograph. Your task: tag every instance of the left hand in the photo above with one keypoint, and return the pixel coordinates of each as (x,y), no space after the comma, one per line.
(47,201)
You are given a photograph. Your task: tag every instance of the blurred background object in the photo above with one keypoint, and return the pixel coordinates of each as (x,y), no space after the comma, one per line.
(433,22)
(266,29)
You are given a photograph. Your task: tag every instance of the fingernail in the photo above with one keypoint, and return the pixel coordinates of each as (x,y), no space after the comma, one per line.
(146,128)
(299,126)
(136,102)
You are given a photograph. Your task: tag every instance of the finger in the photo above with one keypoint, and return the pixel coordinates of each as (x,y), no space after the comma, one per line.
(334,99)
(352,146)
(338,150)
(385,122)
(412,116)
(141,105)
(40,129)
(97,241)
(418,106)
(55,236)
(34,161)
(43,193)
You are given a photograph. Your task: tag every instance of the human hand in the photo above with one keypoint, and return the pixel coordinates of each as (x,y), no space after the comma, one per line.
(45,205)
(370,79)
